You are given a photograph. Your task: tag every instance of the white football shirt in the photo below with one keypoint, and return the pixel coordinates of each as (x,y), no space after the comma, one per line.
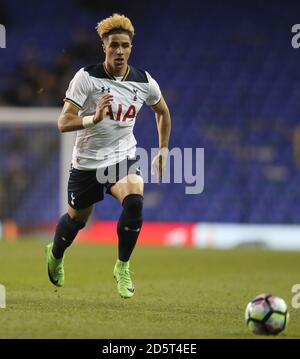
(111,140)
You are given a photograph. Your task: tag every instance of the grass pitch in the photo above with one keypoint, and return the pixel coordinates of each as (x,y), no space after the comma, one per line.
(180,292)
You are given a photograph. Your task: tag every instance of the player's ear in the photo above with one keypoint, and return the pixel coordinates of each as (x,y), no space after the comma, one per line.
(103,44)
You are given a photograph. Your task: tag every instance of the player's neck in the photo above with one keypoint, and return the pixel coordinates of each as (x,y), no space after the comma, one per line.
(119,72)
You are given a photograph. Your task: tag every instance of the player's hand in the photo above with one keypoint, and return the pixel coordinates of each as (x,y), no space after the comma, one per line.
(101,106)
(159,163)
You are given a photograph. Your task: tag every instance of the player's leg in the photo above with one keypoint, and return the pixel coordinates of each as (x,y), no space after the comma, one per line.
(129,192)
(83,191)
(66,231)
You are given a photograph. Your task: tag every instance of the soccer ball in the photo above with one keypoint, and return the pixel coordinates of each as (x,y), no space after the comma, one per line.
(266,314)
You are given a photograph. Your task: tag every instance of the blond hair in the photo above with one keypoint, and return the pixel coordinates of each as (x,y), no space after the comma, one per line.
(116,22)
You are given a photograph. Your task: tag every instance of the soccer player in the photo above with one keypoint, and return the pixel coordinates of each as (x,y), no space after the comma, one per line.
(101,104)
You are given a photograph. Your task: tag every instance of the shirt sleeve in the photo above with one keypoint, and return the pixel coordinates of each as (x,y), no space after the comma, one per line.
(154,93)
(78,89)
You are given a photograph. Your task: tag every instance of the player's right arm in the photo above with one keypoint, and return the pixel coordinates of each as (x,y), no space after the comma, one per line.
(77,93)
(70,121)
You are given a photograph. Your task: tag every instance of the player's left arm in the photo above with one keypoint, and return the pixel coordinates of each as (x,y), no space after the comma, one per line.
(163,122)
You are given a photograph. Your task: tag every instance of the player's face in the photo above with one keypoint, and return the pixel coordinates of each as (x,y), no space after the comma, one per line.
(117,48)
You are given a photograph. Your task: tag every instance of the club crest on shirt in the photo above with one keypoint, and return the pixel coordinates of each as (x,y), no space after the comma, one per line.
(135,90)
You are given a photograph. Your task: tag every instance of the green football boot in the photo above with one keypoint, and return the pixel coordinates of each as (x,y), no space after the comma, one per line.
(122,275)
(55,267)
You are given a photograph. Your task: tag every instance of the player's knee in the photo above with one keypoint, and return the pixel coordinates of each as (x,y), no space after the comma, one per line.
(79,216)
(133,204)
(75,222)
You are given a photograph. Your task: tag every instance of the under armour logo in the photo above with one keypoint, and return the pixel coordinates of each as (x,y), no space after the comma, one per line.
(135,94)
(131,229)
(103,89)
(72,199)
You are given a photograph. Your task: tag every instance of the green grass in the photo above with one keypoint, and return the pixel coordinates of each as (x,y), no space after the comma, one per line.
(180,292)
